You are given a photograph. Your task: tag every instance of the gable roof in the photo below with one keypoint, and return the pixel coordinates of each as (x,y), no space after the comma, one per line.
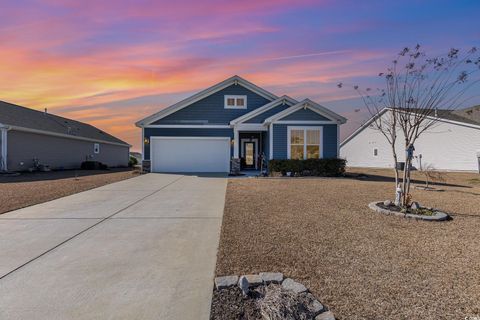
(472,113)
(203,94)
(283,99)
(447,115)
(307,103)
(21,118)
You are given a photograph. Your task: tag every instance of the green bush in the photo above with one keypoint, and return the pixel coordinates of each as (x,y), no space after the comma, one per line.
(312,167)
(132,161)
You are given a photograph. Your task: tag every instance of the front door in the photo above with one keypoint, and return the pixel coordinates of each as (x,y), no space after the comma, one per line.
(249,153)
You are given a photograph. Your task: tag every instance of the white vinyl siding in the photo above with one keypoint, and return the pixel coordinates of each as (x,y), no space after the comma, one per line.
(445,146)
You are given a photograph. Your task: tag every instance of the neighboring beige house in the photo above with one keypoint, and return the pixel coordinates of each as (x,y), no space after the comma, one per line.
(58,142)
(452,144)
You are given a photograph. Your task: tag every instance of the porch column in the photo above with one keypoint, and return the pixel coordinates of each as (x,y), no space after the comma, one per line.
(235,143)
(270,141)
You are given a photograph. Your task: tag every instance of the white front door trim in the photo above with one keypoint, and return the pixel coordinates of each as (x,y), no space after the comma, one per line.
(242,153)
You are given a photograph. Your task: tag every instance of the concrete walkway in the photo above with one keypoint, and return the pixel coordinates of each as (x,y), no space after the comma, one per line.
(143,248)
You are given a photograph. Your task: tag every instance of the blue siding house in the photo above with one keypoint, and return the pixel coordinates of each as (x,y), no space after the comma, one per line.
(236,119)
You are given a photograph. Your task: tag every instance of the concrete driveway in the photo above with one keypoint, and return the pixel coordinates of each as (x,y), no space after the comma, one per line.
(143,248)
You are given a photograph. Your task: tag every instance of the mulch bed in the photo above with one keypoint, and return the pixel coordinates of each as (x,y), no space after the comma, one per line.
(231,304)
(362,265)
(26,189)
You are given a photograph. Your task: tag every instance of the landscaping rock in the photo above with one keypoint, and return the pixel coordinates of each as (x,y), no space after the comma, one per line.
(325,316)
(249,281)
(313,305)
(294,286)
(415,206)
(271,277)
(243,285)
(253,280)
(225,282)
(387,203)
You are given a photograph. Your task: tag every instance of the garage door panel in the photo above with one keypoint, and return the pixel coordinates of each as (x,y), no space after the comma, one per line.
(190,154)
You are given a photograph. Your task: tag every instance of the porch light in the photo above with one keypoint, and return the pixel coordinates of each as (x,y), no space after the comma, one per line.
(146,141)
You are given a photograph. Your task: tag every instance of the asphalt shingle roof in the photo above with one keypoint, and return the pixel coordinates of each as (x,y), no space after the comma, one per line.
(14,115)
(461,115)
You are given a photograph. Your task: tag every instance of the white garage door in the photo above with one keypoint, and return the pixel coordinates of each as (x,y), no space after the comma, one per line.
(190,154)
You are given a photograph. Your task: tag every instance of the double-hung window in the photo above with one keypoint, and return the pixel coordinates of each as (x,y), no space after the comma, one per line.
(304,143)
(235,102)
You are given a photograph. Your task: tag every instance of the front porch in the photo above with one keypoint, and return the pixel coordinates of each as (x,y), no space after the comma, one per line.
(251,148)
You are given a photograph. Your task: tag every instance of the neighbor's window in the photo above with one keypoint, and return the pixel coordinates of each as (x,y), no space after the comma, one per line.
(375,152)
(96,148)
(235,102)
(305,143)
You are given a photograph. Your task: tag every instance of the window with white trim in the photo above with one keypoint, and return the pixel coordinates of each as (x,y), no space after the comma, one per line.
(235,102)
(304,143)
(96,148)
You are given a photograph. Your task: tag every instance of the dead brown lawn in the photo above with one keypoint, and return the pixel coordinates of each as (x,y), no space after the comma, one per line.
(361,264)
(32,188)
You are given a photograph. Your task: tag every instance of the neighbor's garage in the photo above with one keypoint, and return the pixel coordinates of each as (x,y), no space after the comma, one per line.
(190,154)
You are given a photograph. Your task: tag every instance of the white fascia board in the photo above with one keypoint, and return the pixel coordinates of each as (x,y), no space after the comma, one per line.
(188,138)
(470,125)
(203,94)
(250,127)
(61,135)
(186,126)
(283,99)
(305,122)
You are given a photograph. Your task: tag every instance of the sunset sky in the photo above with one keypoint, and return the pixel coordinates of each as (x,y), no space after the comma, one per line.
(111,63)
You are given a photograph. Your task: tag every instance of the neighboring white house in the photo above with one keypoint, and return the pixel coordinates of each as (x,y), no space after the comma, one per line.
(453,143)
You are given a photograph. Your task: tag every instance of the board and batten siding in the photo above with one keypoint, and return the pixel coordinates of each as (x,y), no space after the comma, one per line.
(445,146)
(59,153)
(184,132)
(211,110)
(280,137)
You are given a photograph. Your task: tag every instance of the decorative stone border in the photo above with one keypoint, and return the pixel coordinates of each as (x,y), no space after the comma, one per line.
(438,216)
(246,282)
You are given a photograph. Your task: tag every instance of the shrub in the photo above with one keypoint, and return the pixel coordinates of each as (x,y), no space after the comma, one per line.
(132,161)
(311,167)
(93,165)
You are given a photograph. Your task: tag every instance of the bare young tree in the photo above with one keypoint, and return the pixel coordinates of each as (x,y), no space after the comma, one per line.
(416,87)
(431,175)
